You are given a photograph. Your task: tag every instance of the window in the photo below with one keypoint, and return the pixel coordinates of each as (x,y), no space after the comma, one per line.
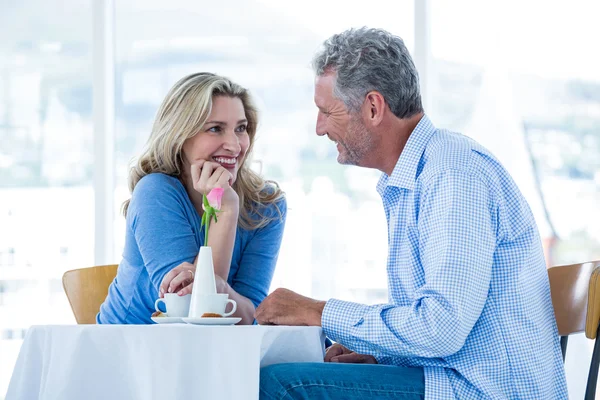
(526,85)
(46,159)
(266,47)
(530,92)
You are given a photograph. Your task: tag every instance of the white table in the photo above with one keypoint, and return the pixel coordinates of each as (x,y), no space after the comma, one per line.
(176,361)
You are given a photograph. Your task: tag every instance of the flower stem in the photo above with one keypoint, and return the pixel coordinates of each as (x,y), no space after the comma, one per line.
(205,218)
(206,224)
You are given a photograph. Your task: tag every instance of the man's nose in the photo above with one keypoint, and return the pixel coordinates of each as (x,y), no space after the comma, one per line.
(321,126)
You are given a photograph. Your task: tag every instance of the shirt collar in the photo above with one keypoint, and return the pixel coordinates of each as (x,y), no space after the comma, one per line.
(405,171)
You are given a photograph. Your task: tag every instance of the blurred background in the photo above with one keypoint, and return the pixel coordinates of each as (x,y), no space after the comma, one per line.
(81,80)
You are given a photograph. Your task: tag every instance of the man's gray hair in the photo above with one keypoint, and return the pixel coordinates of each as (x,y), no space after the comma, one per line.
(371,59)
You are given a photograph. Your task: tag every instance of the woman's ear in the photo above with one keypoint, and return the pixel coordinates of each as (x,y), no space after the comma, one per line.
(180,158)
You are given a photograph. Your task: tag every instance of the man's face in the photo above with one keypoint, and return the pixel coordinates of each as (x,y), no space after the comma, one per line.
(354,141)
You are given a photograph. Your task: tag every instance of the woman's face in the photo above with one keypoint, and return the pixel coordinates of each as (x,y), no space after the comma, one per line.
(223,138)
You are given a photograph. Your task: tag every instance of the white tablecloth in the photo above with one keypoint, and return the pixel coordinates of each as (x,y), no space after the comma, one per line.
(178,361)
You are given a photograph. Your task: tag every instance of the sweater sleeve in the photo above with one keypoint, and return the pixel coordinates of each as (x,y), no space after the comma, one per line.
(161,225)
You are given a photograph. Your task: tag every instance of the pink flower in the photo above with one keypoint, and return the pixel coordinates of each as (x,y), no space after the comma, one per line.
(214,198)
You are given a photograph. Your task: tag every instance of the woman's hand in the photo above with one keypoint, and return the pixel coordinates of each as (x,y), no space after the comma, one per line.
(222,285)
(179,279)
(207,175)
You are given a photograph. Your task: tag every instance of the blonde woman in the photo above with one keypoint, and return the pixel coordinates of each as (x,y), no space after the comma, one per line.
(202,138)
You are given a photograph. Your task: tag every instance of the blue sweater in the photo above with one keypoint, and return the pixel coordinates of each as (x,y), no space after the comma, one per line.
(163,231)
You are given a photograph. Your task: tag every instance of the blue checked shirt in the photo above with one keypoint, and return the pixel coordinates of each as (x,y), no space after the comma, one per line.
(469,298)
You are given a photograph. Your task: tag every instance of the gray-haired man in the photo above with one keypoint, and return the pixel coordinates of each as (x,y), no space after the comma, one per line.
(469,313)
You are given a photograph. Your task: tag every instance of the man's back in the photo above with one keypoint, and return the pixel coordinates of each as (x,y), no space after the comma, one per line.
(465,257)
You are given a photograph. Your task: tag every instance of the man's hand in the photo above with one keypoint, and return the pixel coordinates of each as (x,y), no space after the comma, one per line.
(284,307)
(340,354)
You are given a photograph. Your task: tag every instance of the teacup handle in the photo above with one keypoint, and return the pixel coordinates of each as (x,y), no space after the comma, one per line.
(157,302)
(234,304)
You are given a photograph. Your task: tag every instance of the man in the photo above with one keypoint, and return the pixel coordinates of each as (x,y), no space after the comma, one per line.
(469,313)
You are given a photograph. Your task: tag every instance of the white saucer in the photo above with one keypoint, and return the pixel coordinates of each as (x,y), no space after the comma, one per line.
(212,321)
(167,320)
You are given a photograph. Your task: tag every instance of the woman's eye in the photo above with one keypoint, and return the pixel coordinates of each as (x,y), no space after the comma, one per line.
(241,128)
(215,129)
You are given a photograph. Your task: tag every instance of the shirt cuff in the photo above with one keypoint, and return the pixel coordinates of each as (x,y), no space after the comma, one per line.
(339,317)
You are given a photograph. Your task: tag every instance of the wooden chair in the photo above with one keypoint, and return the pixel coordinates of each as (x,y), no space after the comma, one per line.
(575,291)
(86,289)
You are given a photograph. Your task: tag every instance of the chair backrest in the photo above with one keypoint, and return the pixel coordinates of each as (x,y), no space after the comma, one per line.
(592,322)
(569,289)
(575,291)
(86,289)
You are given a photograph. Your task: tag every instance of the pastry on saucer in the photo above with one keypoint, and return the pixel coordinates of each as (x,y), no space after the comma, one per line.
(158,314)
(211,315)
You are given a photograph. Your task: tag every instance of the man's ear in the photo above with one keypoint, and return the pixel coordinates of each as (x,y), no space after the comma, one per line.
(374,108)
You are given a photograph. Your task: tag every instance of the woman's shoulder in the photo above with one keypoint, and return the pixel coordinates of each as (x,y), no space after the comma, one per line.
(158,183)
(158,190)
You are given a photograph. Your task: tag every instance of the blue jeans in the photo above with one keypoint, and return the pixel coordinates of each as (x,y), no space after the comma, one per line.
(340,381)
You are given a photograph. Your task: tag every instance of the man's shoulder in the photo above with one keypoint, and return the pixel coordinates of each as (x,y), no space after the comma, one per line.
(452,151)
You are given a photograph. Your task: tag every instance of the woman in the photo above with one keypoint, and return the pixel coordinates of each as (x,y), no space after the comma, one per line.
(202,138)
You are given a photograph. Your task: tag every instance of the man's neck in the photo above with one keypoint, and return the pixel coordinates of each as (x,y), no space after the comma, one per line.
(394,141)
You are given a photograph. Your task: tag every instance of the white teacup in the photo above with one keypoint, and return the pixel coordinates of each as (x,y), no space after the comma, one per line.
(211,303)
(176,305)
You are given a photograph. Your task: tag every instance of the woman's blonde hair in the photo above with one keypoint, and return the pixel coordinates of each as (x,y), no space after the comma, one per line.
(181,115)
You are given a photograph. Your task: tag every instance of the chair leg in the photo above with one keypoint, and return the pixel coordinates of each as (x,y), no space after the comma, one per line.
(590,391)
(564,340)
